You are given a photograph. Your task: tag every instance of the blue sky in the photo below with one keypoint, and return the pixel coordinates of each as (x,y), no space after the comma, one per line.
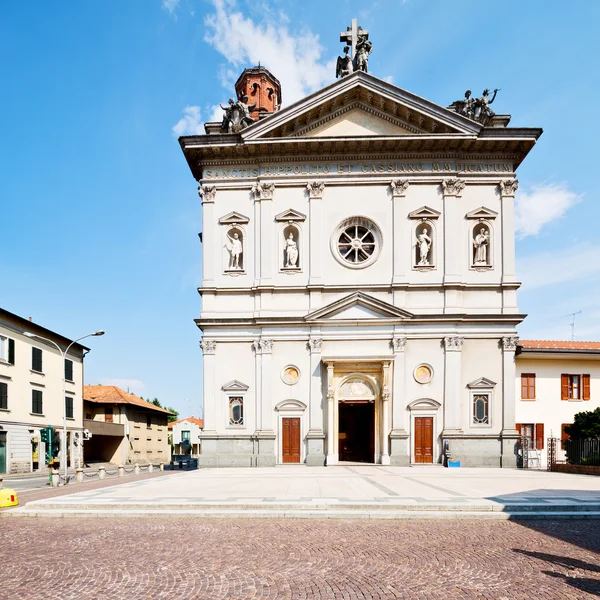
(100,213)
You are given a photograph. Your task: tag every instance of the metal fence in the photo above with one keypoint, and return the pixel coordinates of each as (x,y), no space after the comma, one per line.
(573,452)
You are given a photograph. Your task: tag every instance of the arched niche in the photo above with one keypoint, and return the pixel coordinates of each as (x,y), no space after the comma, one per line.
(481,239)
(357,387)
(425,245)
(234,249)
(291,247)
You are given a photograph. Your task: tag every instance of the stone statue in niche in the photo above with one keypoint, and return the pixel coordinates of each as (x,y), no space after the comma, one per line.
(481,244)
(235,250)
(344,64)
(424,245)
(291,252)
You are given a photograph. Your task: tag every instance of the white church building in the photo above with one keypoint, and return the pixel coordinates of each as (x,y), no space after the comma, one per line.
(359,299)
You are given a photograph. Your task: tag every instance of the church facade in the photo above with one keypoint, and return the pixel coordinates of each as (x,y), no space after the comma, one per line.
(359,299)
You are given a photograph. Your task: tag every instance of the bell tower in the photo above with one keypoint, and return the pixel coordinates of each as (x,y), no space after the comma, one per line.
(262,89)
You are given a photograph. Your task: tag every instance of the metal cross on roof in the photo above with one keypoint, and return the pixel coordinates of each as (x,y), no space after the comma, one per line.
(351,36)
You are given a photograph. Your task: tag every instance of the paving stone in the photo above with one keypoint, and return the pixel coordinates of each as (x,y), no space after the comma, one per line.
(162,558)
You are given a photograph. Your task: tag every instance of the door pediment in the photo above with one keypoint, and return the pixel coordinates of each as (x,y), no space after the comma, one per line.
(358,306)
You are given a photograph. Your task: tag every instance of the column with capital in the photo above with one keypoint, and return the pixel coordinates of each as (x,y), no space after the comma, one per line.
(265,193)
(452,188)
(332,451)
(452,385)
(399,451)
(209,348)
(508,187)
(385,415)
(264,433)
(401,250)
(315,198)
(208,194)
(509,432)
(315,454)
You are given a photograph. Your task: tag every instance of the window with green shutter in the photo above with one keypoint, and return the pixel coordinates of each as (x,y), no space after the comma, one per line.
(68,369)
(4,395)
(37,405)
(69,407)
(36,359)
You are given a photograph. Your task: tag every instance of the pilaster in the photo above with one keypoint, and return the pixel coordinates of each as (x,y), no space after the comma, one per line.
(401,254)
(452,385)
(332,454)
(208,195)
(315,197)
(399,451)
(209,348)
(452,189)
(385,415)
(316,436)
(508,187)
(263,195)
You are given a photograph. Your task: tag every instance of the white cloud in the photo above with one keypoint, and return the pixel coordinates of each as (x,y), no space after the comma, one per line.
(216,113)
(170,6)
(293,57)
(389,78)
(541,205)
(580,262)
(135,386)
(190,123)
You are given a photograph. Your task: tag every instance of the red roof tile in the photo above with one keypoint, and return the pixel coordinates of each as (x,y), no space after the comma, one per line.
(111,394)
(198,422)
(558,345)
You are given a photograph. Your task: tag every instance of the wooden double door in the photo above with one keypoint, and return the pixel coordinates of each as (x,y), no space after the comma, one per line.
(423,436)
(290,439)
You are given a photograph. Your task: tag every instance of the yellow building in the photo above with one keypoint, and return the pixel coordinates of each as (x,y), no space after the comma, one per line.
(124,428)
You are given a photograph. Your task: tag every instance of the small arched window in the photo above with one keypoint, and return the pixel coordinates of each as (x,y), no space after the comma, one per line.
(236,410)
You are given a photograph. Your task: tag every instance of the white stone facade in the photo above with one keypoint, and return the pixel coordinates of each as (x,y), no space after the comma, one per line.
(379,345)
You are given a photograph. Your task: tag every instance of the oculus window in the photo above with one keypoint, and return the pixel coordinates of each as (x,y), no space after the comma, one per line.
(356,242)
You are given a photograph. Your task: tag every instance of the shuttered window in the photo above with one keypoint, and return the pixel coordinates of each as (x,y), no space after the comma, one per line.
(37,402)
(574,387)
(564,436)
(68,369)
(534,432)
(4,395)
(7,350)
(528,386)
(36,360)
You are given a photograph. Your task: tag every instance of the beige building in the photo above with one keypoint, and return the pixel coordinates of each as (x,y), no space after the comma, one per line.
(33,376)
(124,428)
(555,381)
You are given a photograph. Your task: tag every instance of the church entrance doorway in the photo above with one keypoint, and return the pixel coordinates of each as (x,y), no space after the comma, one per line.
(423,439)
(290,439)
(357,431)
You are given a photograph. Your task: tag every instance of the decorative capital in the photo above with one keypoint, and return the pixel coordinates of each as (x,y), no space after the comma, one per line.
(315,189)
(509,343)
(453,186)
(263,191)
(207,193)
(208,346)
(399,187)
(330,393)
(385,394)
(315,344)
(453,343)
(398,344)
(266,346)
(508,187)
(256,347)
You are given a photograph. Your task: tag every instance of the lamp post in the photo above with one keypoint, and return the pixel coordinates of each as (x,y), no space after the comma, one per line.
(64,355)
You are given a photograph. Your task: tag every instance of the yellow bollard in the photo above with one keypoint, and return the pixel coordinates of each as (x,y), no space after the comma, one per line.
(8,498)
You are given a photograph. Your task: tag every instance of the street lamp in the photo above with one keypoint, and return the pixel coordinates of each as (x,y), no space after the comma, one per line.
(64,354)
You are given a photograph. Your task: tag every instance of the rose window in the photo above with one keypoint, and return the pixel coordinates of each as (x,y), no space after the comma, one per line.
(356,242)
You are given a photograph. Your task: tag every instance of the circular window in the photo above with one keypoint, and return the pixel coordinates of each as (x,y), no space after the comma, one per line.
(356,242)
(423,374)
(290,375)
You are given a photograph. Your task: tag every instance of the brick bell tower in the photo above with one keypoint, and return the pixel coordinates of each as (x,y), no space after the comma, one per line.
(262,89)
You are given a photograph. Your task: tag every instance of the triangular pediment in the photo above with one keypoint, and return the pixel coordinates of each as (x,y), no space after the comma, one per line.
(425,212)
(482,213)
(481,383)
(357,307)
(290,215)
(234,218)
(361,105)
(235,386)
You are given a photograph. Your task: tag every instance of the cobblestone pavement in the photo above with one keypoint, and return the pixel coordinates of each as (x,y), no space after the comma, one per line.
(177,558)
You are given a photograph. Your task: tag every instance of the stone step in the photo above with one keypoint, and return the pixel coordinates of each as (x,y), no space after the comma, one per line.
(299,514)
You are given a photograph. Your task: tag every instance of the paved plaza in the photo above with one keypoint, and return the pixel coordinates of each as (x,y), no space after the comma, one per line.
(341,491)
(184,559)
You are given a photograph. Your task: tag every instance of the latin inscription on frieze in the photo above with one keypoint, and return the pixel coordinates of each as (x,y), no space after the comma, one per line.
(356,168)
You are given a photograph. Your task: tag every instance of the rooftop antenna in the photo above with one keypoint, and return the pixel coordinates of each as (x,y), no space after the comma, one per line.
(572,324)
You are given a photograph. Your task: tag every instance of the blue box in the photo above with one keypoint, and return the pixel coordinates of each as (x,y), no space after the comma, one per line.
(454,463)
